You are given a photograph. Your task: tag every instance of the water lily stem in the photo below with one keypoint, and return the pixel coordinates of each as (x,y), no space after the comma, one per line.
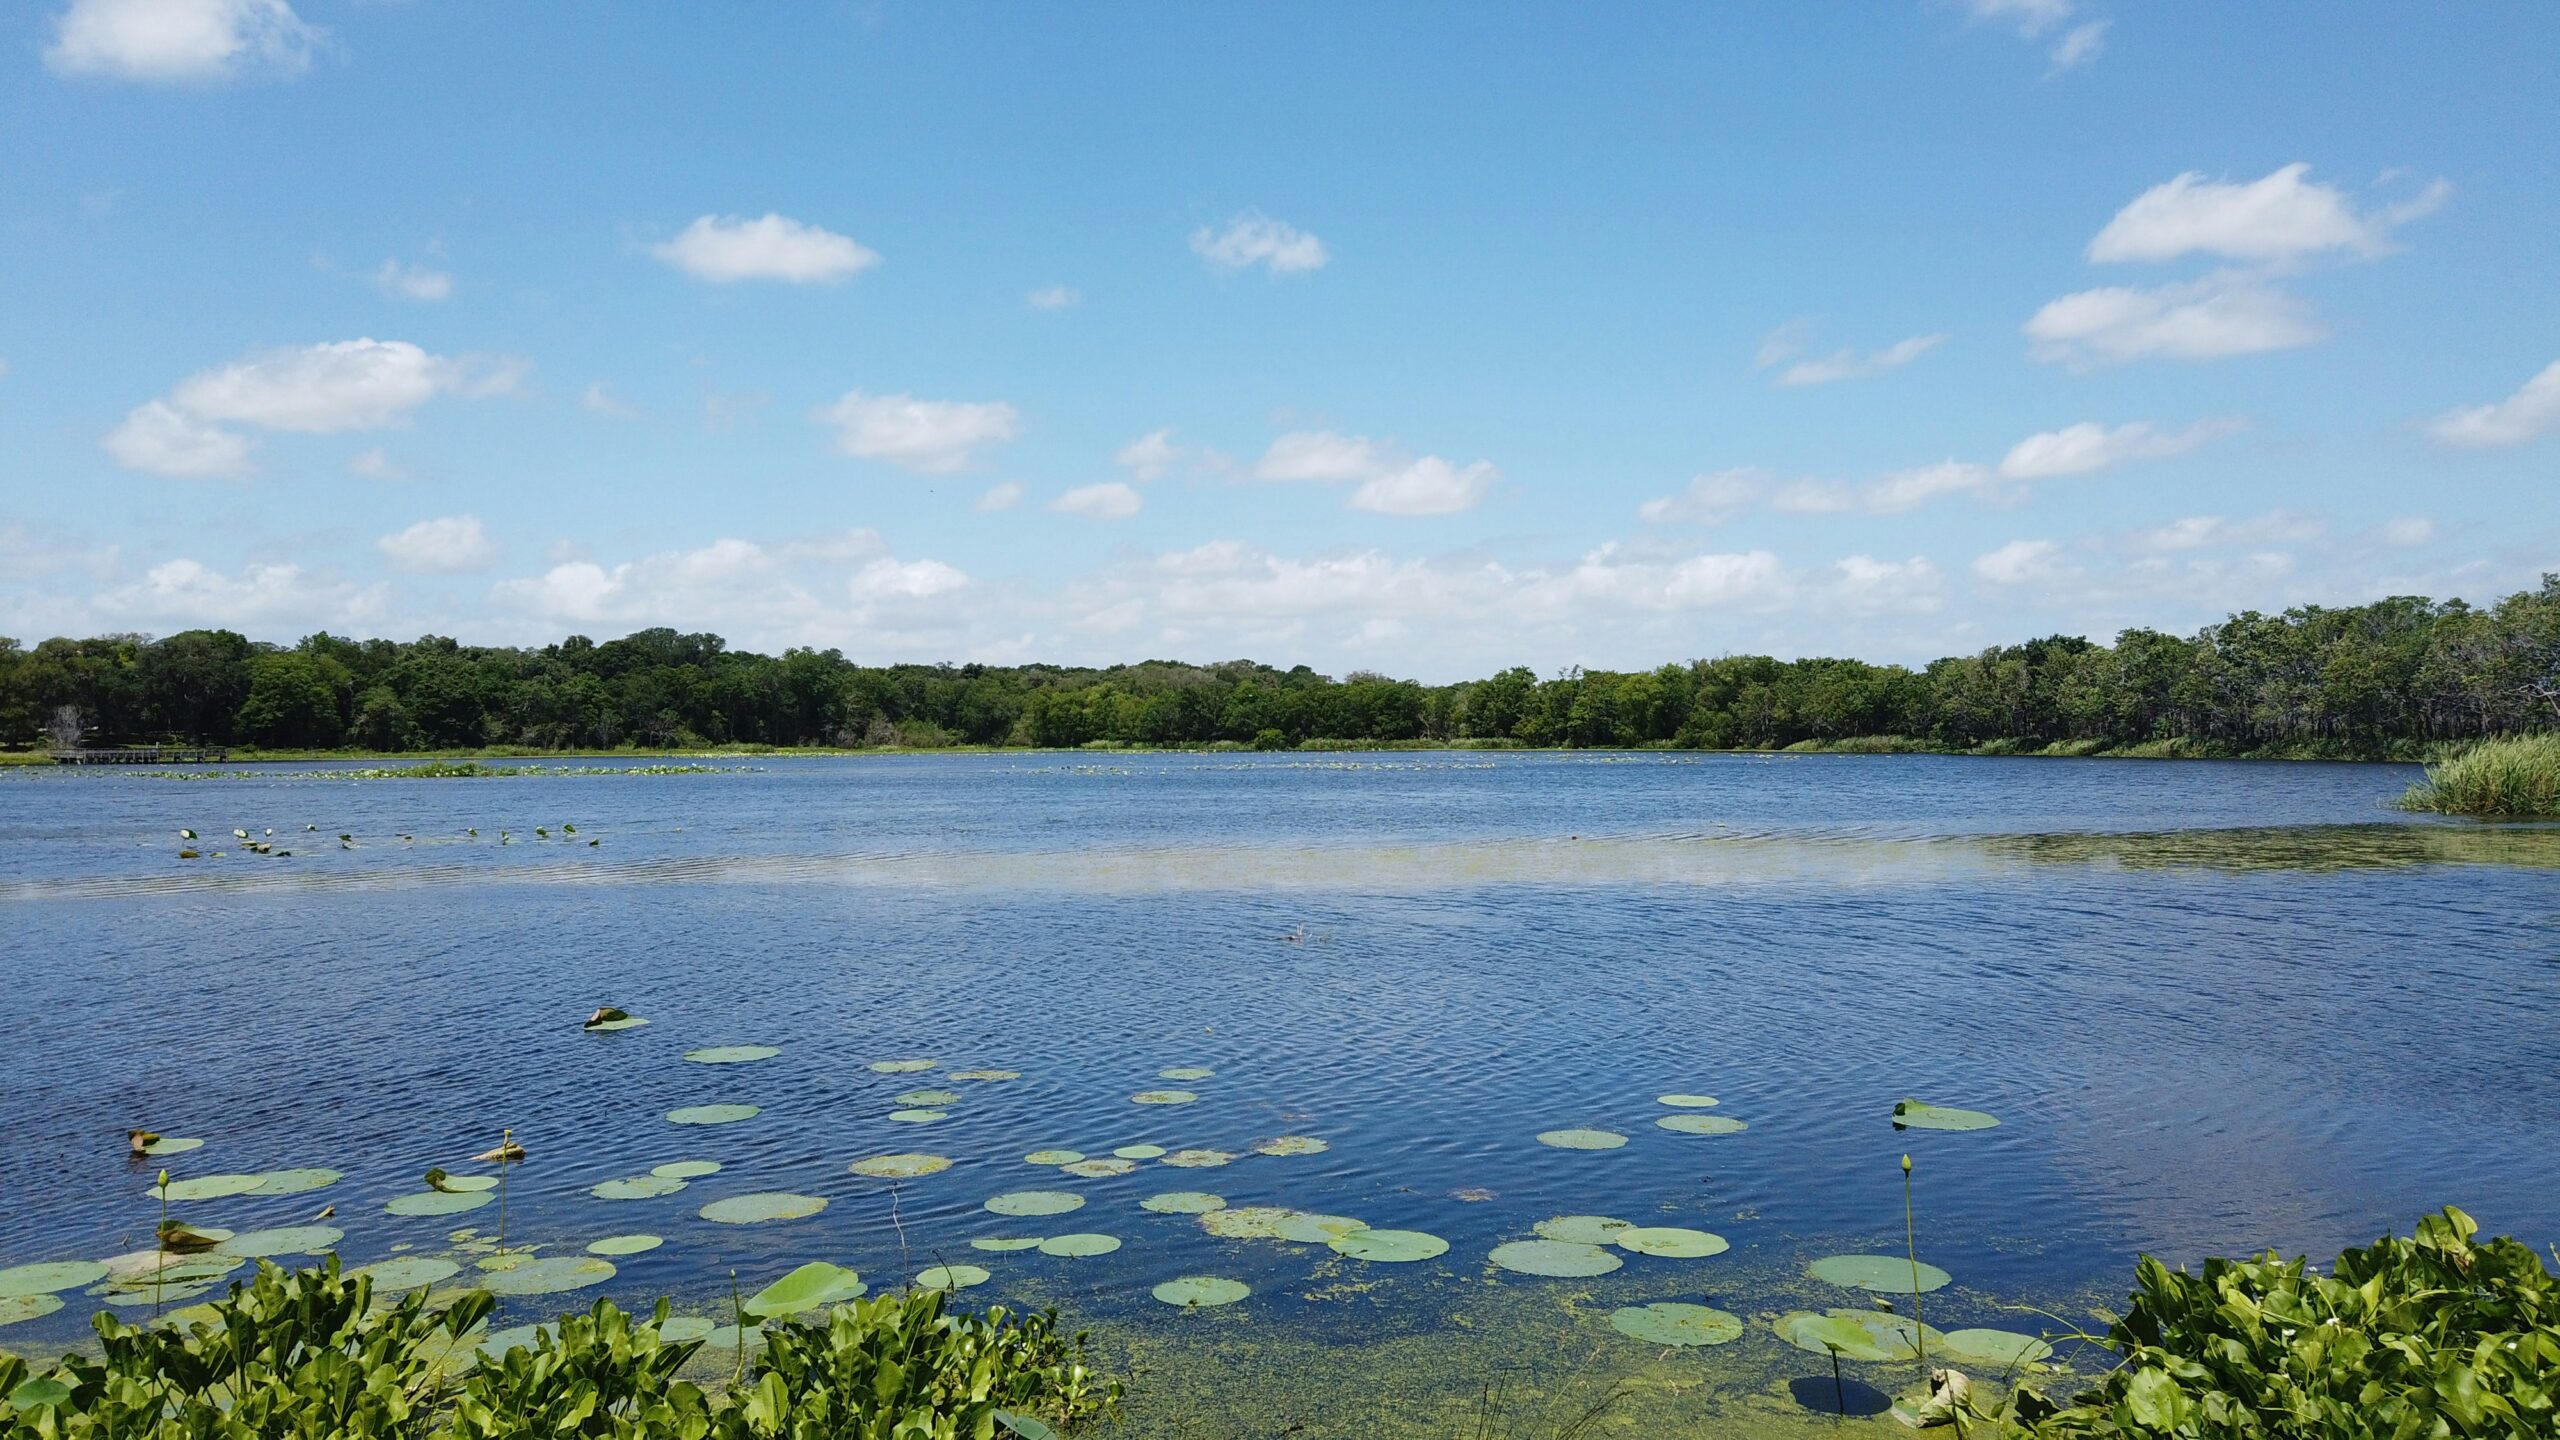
(738,1322)
(1839,1387)
(1911,1240)
(160,1262)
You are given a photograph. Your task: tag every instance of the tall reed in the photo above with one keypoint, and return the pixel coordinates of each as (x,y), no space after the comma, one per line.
(2515,778)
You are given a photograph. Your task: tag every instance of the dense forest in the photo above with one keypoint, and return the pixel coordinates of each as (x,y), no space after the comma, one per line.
(2378,679)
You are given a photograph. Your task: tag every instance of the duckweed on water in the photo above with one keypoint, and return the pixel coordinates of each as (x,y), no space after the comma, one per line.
(1394,1247)
(1079,1246)
(763,1206)
(1911,1114)
(637,1187)
(686,1169)
(1023,1203)
(731,1054)
(1292,1145)
(901,1167)
(1884,1274)
(1194,1292)
(1583,1229)
(713,1114)
(1670,1242)
(1582,1139)
(1183,1202)
(1702,1124)
(439,1202)
(625,1244)
(1559,1259)
(1675,1324)
(811,1287)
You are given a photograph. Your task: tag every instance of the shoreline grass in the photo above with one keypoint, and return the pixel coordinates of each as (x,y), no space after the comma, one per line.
(2517,778)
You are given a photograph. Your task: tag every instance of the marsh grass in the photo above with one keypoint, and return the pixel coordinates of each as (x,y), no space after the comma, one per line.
(2510,779)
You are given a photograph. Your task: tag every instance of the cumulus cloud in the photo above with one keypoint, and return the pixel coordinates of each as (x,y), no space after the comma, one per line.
(412,282)
(888,579)
(929,437)
(2020,562)
(312,389)
(1428,486)
(2197,532)
(599,398)
(727,248)
(2280,217)
(374,463)
(160,439)
(1250,240)
(1857,365)
(182,593)
(2531,412)
(1110,500)
(1710,499)
(1003,496)
(2035,19)
(452,545)
(180,40)
(1149,456)
(2223,314)
(1053,297)
(1389,482)
(1321,456)
(2087,447)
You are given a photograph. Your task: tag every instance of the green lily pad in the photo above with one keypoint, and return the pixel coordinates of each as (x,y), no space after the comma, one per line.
(1182,1202)
(686,1169)
(164,1295)
(918,1117)
(173,1145)
(625,1244)
(950,1277)
(1991,1349)
(1911,1114)
(1306,1229)
(930,1099)
(1053,1157)
(1199,1159)
(1685,1102)
(1186,1072)
(637,1187)
(205,1187)
(908,1166)
(985,1075)
(1582,1139)
(295,1182)
(1703,1124)
(1199,1292)
(505,1260)
(465,1184)
(763,1206)
(1389,1246)
(1140,1152)
(1246,1222)
(1163,1097)
(731,1054)
(713,1114)
(1079,1246)
(627,1022)
(1670,1242)
(1867,1335)
(180,1270)
(439,1202)
(1584,1229)
(287,1240)
(813,1286)
(678,1329)
(1884,1274)
(726,1340)
(902,1067)
(519,1337)
(1292,1145)
(20,1281)
(1020,1203)
(550,1275)
(1003,1244)
(1102,1169)
(1675,1324)
(406,1272)
(1556,1258)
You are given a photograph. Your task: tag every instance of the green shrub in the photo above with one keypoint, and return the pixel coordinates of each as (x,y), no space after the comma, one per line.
(2517,778)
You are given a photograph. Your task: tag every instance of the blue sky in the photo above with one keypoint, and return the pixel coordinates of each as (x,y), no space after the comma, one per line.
(1418,338)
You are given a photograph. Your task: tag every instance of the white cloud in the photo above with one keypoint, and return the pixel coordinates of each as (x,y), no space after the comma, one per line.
(2020,562)
(1053,297)
(180,40)
(1904,489)
(1428,486)
(1321,456)
(374,463)
(2534,410)
(1251,240)
(727,248)
(2086,447)
(2408,530)
(2226,313)
(600,398)
(412,282)
(2198,532)
(2034,19)
(1149,456)
(930,437)
(2080,44)
(341,385)
(1853,365)
(1709,499)
(451,545)
(840,589)
(1003,496)
(183,593)
(1110,500)
(888,579)
(1864,585)
(159,438)
(2281,217)
(1390,482)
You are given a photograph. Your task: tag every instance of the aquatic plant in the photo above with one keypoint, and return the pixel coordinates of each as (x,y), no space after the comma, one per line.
(2506,779)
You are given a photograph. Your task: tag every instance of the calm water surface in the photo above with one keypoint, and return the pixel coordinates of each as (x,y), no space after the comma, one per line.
(2215,1006)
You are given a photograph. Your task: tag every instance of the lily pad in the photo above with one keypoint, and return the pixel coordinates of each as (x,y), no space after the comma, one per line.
(985,1074)
(627,1022)
(206,1187)
(164,1295)
(1199,1292)
(1884,1274)
(287,1240)
(902,1067)
(1186,1072)
(1676,1324)
(1292,1145)
(1584,1229)
(1555,1258)
(901,1167)
(295,1182)
(1183,1202)
(1053,1157)
(465,1184)
(930,1099)
(1991,1349)
(1079,1246)
(1140,1152)
(680,1328)
(1389,1246)
(1019,1203)
(173,1145)
(1246,1222)
(1867,1335)
(20,1281)
(813,1286)
(686,1169)
(550,1275)
(1199,1159)
(762,1206)
(1671,1242)
(637,1187)
(1685,1102)
(439,1202)
(519,1337)
(712,1114)
(1911,1114)
(1703,1124)
(180,1270)
(731,1054)
(950,1277)
(1305,1229)
(1163,1097)
(918,1117)
(1582,1139)
(406,1272)
(1102,1169)
(625,1244)
(1005,1244)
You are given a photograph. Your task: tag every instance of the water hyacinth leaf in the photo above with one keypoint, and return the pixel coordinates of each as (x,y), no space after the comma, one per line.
(205,1187)
(20,1281)
(1685,1102)
(1909,1114)
(1099,1169)
(440,1202)
(172,1145)
(763,1206)
(1079,1246)
(1292,1145)
(1198,1292)
(295,1182)
(1670,1242)
(625,1244)
(1865,1335)
(712,1114)
(686,1169)
(908,1166)
(1702,1124)
(811,1287)
(1021,1203)
(1163,1097)
(1582,1139)
(1562,1259)
(287,1240)
(1584,1229)
(930,1099)
(406,1272)
(918,1117)
(986,1075)
(1053,1157)
(951,1277)
(637,1187)
(1024,1427)
(1991,1349)
(1139,1152)
(1199,1159)
(550,1275)
(901,1067)
(1186,1072)
(1394,1247)
(1183,1202)
(1674,1324)
(1005,1244)
(731,1054)
(1884,1274)
(38,1393)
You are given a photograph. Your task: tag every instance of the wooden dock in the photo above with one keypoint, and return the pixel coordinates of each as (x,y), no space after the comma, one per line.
(145,755)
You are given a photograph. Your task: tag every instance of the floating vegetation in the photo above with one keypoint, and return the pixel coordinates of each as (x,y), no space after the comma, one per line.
(1582,1139)
(1702,1124)
(459,1184)
(1674,1324)
(439,1202)
(444,770)
(1909,1114)
(1868,1335)
(294,1182)
(1183,1202)
(1394,1247)
(204,1187)
(1053,1157)
(1685,1102)
(1276,1222)
(17,1308)
(1006,1244)
(930,1099)
(1079,1246)
(1140,1152)
(637,1187)
(1559,1259)
(550,1275)
(901,1167)
(168,1144)
(286,1240)
(1292,1145)
(1099,1169)
(902,1067)
(608,1018)
(686,1169)
(731,1054)
(981,1074)
(1199,1292)
(1990,1349)
(1186,1072)
(1584,1229)
(625,1244)
(19,1281)
(678,1329)
(950,1277)
(1163,1097)
(406,1272)
(713,1114)
(762,1206)
(813,1286)
(1670,1242)
(1199,1159)
(918,1117)
(1023,1203)
(1884,1274)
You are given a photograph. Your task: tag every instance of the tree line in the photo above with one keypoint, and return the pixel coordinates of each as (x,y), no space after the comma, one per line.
(2378,679)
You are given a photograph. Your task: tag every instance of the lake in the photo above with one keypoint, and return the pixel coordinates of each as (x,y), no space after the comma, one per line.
(2215,1007)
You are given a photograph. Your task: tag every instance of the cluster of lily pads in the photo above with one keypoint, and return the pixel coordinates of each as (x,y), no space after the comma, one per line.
(264,844)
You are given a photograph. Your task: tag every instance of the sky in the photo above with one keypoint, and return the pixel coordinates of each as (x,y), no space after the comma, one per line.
(1419,338)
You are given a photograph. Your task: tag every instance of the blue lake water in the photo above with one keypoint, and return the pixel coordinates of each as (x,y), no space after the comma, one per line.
(2215,1007)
